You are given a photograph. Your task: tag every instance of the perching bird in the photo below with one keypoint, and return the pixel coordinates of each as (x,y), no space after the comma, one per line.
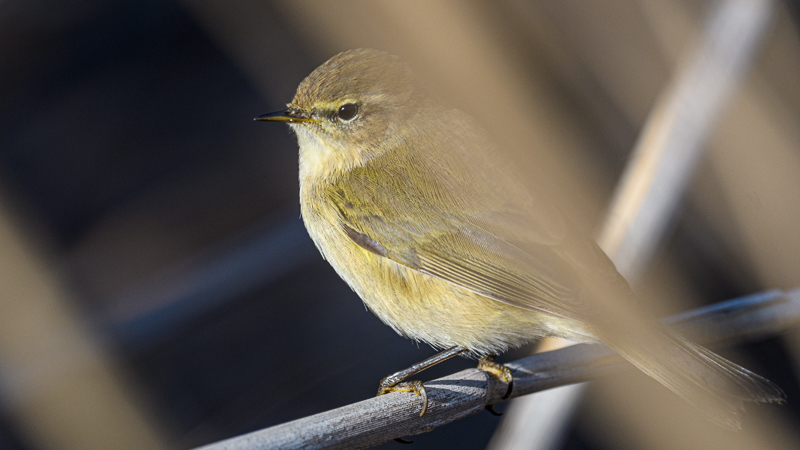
(408,201)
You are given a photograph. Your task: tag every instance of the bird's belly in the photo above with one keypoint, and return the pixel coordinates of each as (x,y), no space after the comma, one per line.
(426,308)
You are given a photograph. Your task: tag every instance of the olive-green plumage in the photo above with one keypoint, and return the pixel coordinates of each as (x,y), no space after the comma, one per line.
(407,201)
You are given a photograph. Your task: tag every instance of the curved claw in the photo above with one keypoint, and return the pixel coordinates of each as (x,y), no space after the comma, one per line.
(407,386)
(403,441)
(510,388)
(490,408)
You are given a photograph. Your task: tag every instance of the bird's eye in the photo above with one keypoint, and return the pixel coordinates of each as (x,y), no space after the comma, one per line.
(347,111)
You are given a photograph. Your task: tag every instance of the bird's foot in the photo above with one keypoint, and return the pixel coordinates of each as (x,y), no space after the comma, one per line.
(498,371)
(415,386)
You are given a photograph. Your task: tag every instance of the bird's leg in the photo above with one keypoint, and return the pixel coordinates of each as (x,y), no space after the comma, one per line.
(498,371)
(395,383)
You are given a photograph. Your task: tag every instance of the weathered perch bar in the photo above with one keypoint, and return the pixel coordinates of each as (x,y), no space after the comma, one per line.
(380,419)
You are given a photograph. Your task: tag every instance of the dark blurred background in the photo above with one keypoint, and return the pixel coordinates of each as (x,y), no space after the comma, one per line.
(158,289)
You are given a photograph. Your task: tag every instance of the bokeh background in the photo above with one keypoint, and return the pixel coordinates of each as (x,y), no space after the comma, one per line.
(158,289)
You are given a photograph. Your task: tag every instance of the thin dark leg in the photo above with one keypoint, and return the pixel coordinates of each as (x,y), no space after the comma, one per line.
(395,383)
(395,378)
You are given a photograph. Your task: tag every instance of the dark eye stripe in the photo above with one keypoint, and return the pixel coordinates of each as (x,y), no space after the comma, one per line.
(347,111)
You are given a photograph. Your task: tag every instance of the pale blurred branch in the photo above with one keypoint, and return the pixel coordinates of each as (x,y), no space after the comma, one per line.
(658,173)
(380,419)
(675,135)
(58,382)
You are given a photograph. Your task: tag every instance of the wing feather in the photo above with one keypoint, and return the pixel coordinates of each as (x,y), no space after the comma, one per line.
(466,251)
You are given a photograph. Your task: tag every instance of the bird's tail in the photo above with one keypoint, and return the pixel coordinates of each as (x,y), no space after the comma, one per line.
(708,381)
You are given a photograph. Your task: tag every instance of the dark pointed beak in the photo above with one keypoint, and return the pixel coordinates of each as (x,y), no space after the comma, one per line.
(285,115)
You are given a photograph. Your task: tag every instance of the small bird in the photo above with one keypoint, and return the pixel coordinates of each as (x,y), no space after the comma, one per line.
(411,204)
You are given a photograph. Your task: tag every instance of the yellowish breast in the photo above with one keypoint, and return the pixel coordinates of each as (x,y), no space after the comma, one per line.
(414,304)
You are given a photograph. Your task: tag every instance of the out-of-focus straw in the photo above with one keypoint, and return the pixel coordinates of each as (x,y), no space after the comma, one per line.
(655,179)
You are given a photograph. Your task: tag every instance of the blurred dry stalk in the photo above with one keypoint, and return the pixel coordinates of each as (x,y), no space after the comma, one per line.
(58,383)
(474,64)
(66,393)
(463,59)
(659,172)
